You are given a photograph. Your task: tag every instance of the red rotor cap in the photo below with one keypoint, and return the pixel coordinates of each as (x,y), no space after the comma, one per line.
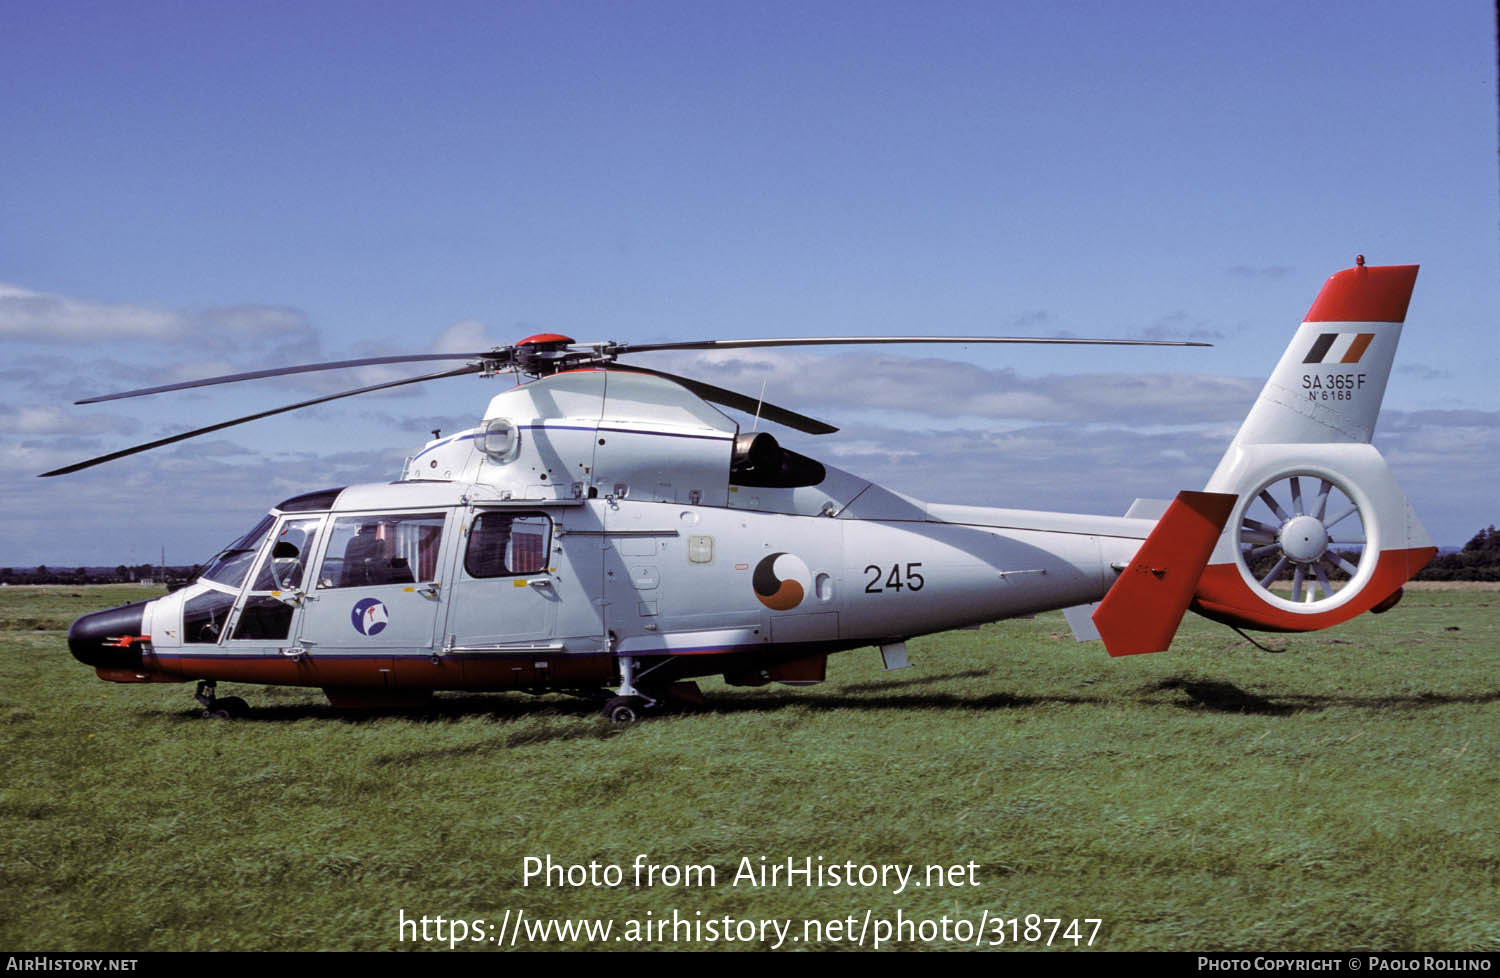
(545,339)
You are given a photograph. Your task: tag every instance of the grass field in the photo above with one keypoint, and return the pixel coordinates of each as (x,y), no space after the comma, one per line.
(1342,795)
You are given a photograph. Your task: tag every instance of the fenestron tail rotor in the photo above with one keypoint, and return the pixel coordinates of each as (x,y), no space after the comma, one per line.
(1303,531)
(548,353)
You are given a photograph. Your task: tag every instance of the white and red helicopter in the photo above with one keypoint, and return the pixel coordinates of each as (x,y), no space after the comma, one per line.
(605,530)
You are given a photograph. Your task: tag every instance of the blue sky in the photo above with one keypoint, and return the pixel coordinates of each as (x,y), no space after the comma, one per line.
(190,188)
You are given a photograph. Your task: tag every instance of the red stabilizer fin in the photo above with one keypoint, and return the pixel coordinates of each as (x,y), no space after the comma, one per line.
(1143,609)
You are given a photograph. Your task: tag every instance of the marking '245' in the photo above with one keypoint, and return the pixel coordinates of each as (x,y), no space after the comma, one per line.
(881,581)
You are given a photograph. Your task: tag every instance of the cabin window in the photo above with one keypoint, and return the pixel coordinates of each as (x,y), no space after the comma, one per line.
(383,548)
(203,617)
(264,618)
(507,544)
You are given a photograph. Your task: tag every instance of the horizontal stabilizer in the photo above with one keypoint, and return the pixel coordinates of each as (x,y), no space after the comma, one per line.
(1080,620)
(1143,609)
(1147,509)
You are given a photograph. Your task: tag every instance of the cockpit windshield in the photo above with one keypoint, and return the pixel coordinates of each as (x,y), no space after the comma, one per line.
(232,563)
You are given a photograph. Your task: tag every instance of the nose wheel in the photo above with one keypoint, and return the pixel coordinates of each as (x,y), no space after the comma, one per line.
(217,707)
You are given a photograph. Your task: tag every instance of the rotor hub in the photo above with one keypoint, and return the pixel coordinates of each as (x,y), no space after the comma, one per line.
(546,341)
(545,354)
(1303,539)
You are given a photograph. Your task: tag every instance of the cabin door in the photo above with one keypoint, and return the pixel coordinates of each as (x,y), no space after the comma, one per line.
(379,585)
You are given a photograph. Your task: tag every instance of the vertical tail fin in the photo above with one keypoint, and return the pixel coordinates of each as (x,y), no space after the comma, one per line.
(1331,379)
(1321,531)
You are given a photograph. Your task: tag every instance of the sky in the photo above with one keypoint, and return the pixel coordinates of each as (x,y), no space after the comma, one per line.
(191,189)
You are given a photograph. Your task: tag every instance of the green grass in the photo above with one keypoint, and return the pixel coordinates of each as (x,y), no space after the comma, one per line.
(1341,795)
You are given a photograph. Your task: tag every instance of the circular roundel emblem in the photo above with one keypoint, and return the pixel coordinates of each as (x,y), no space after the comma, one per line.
(369,617)
(781,581)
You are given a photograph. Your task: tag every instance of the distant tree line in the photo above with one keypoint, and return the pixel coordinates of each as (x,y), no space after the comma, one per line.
(1479,560)
(119,574)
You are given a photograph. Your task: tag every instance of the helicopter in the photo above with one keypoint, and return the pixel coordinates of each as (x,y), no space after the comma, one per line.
(606,530)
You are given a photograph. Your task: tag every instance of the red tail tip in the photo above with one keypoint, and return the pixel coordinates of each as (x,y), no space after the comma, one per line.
(1365,294)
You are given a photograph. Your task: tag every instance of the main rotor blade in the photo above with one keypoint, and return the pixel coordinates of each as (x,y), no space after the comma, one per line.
(739,402)
(623,348)
(470,369)
(279,371)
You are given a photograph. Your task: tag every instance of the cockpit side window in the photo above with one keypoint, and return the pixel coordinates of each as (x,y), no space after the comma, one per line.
(290,552)
(508,544)
(231,564)
(382,548)
(266,612)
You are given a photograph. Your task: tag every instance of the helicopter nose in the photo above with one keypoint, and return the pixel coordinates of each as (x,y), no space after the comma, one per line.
(94,639)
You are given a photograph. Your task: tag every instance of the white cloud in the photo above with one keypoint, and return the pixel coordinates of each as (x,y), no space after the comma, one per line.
(1261,271)
(464,336)
(53,420)
(1180,326)
(41,317)
(944,388)
(44,318)
(858,450)
(1423,372)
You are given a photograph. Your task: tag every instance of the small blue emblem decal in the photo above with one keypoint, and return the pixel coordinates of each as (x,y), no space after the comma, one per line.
(369,617)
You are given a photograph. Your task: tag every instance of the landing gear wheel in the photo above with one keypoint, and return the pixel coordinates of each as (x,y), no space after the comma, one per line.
(215,708)
(625,709)
(228,708)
